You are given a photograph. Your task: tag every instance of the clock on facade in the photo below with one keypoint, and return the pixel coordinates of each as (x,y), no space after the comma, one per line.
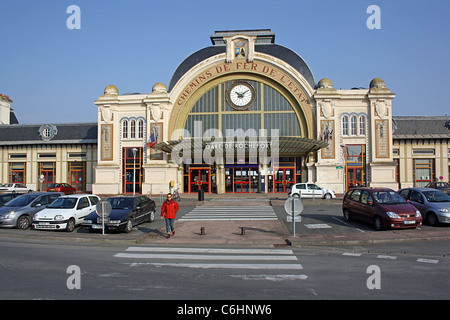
(241,95)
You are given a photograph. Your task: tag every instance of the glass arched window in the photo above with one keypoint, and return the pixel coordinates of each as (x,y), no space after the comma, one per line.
(345,125)
(133,129)
(140,129)
(362,125)
(354,124)
(270,110)
(125,129)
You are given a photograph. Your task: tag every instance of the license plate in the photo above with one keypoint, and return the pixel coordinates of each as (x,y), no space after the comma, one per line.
(95,226)
(409,222)
(44,223)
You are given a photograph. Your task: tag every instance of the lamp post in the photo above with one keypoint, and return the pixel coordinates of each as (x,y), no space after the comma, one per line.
(134,170)
(344,170)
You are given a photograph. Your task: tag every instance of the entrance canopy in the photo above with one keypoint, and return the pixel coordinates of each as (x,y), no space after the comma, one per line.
(285,146)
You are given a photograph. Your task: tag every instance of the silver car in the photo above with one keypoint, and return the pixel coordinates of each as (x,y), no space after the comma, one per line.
(18,213)
(434,205)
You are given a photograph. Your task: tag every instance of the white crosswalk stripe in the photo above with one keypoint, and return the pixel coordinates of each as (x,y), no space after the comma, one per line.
(229,213)
(213,258)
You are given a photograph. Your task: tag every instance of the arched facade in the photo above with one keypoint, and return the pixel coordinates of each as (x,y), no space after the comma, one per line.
(243,115)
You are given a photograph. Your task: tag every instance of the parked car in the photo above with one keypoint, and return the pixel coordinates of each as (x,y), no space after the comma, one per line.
(65,212)
(4,198)
(18,213)
(126,213)
(311,190)
(434,205)
(443,186)
(15,187)
(383,207)
(61,187)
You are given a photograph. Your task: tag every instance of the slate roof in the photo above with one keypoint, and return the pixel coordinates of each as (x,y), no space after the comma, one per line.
(68,133)
(421,127)
(275,50)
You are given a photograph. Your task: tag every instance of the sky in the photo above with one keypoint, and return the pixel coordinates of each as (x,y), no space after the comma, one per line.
(54,74)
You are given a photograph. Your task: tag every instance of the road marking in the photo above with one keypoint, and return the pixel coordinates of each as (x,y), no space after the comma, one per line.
(351,254)
(381,256)
(427,260)
(211,250)
(229,213)
(271,277)
(347,224)
(318,226)
(277,266)
(201,257)
(158,256)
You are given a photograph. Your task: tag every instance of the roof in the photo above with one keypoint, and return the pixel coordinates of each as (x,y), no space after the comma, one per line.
(67,133)
(275,50)
(286,145)
(421,127)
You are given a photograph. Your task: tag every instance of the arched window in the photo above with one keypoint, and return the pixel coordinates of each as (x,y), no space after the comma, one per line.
(354,125)
(133,129)
(140,129)
(345,125)
(362,125)
(125,129)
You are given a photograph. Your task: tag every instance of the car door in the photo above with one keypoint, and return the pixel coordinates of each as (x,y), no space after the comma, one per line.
(83,208)
(366,206)
(418,201)
(316,191)
(353,205)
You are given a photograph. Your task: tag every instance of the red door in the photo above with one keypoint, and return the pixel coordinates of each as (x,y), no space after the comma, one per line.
(199,179)
(242,180)
(354,177)
(284,179)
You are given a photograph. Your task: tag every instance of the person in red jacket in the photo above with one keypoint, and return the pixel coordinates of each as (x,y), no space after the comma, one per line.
(169,211)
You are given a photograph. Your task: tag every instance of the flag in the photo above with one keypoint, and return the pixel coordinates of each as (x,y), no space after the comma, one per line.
(153,140)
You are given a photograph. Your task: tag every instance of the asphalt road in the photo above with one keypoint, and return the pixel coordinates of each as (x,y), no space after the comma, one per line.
(41,270)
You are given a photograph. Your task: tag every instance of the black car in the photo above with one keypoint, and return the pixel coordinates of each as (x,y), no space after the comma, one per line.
(4,198)
(126,213)
(443,186)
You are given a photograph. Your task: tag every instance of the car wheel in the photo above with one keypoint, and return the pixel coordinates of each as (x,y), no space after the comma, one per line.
(327,196)
(151,217)
(70,225)
(378,223)
(24,222)
(347,215)
(129,226)
(432,219)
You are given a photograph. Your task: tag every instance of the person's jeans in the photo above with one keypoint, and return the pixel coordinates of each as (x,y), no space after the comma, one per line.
(169,225)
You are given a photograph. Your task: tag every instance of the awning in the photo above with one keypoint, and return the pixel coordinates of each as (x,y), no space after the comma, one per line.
(284,146)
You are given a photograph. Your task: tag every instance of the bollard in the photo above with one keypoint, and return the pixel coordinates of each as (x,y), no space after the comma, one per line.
(202,231)
(242,231)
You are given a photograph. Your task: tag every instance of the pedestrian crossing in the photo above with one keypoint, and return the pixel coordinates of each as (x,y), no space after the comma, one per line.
(215,258)
(230,213)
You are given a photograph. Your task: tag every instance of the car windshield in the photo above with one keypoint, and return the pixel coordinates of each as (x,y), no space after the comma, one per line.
(436,196)
(442,185)
(388,197)
(121,203)
(21,201)
(63,203)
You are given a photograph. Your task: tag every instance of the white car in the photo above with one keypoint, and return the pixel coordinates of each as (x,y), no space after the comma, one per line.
(65,212)
(14,187)
(311,190)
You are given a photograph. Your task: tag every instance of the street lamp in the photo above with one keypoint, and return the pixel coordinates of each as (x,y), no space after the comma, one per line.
(134,170)
(344,169)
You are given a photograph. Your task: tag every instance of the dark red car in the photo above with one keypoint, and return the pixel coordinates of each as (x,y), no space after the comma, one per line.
(61,187)
(382,207)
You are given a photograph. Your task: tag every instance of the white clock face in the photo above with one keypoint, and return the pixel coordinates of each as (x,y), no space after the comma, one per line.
(241,95)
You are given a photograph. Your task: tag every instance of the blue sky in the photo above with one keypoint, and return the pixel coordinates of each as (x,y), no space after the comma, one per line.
(53,74)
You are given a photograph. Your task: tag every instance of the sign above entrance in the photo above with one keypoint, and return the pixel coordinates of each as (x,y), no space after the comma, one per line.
(257,67)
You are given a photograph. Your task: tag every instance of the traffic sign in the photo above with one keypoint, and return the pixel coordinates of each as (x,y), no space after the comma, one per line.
(297,206)
(103,209)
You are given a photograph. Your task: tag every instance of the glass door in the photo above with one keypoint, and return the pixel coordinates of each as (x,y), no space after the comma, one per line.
(77,174)
(47,170)
(199,179)
(132,170)
(354,177)
(284,179)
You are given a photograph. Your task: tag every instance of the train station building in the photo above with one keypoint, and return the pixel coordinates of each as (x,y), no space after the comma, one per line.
(243,115)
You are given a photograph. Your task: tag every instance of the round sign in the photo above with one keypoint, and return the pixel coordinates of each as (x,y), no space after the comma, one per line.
(103,208)
(298,206)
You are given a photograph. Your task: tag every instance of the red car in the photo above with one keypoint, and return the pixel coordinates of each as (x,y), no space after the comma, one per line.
(61,187)
(383,207)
